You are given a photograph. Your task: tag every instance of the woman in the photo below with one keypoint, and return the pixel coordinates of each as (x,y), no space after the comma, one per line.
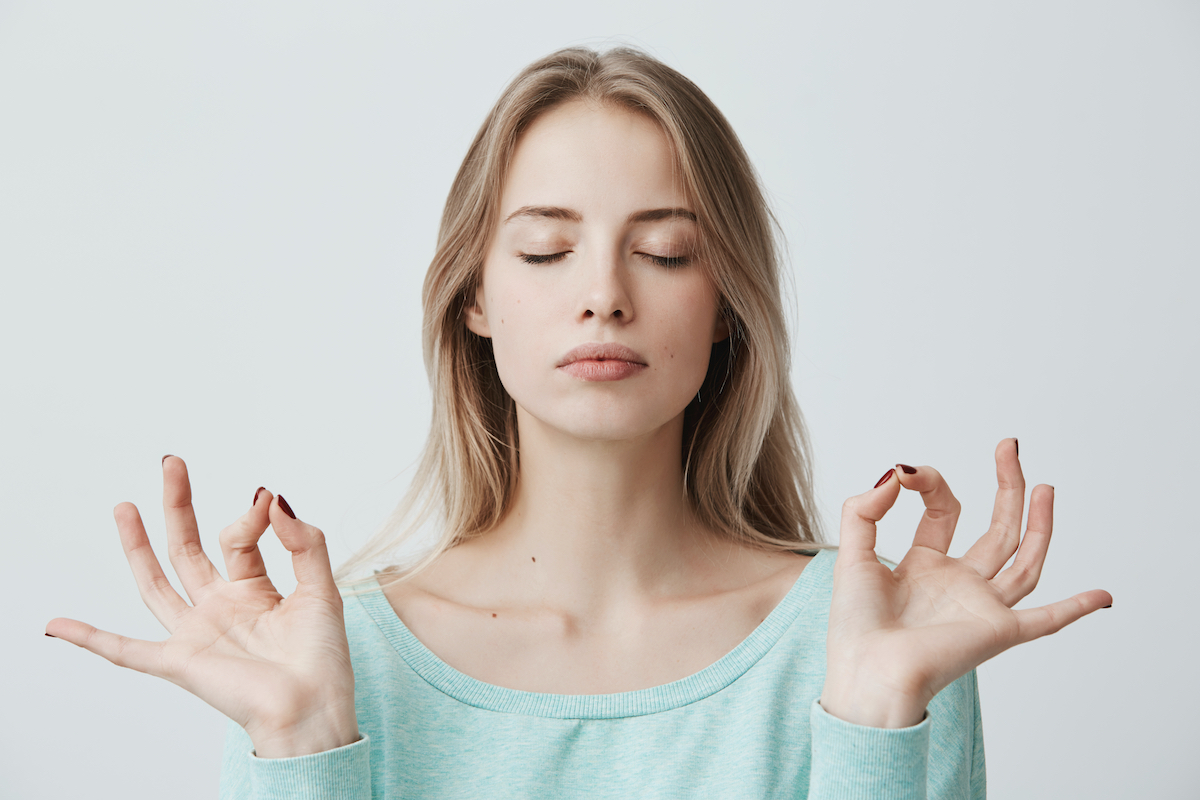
(628,597)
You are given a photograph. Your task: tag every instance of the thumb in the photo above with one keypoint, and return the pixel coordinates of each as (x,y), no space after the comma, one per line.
(861,512)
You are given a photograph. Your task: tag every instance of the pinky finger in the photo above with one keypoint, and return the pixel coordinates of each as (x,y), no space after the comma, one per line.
(135,654)
(1045,620)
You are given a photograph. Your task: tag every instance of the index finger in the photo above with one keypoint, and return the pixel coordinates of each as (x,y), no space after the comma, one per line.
(936,528)
(306,543)
(187,556)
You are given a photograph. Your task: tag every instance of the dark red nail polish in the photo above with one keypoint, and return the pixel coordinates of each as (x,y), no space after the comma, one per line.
(168,455)
(51,635)
(1107,606)
(885,477)
(286,508)
(907,469)
(256,494)
(1017,445)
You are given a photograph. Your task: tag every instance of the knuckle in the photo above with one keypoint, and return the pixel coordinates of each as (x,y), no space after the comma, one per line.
(158,585)
(1024,576)
(939,514)
(189,549)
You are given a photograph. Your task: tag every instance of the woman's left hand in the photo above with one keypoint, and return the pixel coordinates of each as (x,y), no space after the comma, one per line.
(898,637)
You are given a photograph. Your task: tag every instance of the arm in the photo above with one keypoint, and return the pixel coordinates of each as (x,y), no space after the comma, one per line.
(940,758)
(280,668)
(899,637)
(343,773)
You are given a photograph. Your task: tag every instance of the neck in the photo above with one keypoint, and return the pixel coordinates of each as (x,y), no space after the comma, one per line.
(596,524)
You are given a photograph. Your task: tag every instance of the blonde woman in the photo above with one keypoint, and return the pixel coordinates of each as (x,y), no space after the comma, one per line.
(628,597)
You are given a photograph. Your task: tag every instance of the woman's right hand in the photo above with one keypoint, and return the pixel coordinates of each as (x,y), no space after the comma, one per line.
(279,667)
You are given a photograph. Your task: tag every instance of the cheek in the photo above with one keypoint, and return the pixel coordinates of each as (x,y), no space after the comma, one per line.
(689,320)
(517,340)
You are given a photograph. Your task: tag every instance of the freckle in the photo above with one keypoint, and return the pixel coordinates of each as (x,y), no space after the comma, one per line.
(493,615)
(534,559)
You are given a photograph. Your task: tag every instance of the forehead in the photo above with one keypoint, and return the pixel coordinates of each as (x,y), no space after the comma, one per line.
(583,153)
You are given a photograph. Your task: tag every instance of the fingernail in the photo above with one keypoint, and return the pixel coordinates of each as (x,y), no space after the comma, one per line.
(286,508)
(256,494)
(168,455)
(1017,445)
(1107,606)
(907,469)
(885,477)
(51,635)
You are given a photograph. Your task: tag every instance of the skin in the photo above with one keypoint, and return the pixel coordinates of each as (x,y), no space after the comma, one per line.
(622,566)
(600,567)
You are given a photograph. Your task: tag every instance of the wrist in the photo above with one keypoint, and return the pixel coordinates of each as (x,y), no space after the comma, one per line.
(872,706)
(310,733)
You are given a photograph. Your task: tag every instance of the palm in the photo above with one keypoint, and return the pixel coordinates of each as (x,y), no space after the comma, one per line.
(898,637)
(273,665)
(246,652)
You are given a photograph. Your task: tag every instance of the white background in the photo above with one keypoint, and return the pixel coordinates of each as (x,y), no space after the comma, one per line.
(215,218)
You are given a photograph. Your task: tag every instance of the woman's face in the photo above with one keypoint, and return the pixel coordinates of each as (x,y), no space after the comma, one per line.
(601,316)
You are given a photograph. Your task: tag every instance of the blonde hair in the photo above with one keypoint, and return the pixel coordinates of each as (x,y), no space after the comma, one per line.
(747,473)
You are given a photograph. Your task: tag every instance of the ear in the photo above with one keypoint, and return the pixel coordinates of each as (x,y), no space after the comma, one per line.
(721,331)
(476,317)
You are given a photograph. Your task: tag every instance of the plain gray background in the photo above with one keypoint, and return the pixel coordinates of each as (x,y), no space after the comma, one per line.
(215,218)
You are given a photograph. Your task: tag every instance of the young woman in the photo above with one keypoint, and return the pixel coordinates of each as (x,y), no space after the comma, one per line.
(628,597)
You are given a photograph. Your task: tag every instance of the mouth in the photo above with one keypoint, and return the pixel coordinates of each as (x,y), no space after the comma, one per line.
(594,351)
(602,362)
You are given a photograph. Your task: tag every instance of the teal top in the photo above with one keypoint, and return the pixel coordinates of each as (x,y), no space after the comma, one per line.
(748,725)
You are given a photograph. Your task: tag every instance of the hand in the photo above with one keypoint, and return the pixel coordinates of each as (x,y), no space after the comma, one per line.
(897,638)
(280,668)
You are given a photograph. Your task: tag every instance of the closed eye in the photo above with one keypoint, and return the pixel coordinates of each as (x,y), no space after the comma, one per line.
(668,261)
(548,258)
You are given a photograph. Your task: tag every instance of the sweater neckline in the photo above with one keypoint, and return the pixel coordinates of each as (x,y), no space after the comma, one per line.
(713,678)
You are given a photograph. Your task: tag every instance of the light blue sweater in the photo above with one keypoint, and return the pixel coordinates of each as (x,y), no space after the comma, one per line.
(746,726)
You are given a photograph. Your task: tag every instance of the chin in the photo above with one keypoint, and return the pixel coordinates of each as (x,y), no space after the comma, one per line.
(604,422)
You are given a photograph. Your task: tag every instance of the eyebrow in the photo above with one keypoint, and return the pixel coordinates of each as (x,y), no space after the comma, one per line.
(570,215)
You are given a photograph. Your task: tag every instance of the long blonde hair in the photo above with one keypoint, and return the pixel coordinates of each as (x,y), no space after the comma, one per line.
(747,472)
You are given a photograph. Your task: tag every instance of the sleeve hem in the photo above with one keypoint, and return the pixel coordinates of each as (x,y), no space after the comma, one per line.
(343,773)
(851,760)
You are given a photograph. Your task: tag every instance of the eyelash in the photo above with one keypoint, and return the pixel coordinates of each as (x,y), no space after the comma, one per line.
(670,262)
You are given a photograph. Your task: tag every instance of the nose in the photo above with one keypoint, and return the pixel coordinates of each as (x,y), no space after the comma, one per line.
(606,291)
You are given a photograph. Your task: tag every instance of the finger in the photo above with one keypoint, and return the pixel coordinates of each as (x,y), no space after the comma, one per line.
(1037,622)
(156,590)
(996,547)
(1023,574)
(936,528)
(135,654)
(187,556)
(310,558)
(861,512)
(239,542)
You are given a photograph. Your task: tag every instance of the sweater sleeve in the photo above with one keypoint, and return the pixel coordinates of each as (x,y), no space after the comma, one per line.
(940,758)
(340,774)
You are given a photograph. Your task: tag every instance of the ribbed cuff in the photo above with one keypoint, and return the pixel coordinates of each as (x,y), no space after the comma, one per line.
(343,773)
(856,761)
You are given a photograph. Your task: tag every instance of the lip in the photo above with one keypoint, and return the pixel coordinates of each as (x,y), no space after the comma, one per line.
(595,351)
(602,362)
